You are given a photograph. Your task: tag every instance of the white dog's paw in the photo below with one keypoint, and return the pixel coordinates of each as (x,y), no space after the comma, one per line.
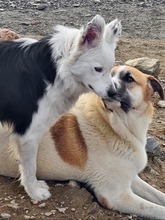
(38,191)
(42,184)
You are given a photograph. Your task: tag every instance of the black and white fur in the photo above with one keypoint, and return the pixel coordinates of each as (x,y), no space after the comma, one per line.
(40,80)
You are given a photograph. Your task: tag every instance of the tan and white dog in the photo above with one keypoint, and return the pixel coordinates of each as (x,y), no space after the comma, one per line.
(102,143)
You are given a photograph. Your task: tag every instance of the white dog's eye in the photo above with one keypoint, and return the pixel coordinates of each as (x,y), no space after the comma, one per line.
(99,69)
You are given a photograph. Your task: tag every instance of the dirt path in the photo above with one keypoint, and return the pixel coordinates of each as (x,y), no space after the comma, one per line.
(143,35)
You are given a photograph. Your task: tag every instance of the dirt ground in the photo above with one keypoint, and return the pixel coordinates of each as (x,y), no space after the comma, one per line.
(143,35)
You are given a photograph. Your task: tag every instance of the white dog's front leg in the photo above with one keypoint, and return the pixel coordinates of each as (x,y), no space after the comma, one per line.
(148,192)
(37,190)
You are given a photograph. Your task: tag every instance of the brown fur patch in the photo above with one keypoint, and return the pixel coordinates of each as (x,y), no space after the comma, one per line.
(69,141)
(104,202)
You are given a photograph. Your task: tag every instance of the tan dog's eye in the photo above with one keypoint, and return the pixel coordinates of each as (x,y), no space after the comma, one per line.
(99,69)
(128,78)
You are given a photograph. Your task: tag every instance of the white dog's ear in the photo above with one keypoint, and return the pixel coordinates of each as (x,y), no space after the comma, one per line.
(93,33)
(112,31)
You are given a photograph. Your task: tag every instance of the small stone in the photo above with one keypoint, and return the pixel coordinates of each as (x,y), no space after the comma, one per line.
(152,145)
(161,103)
(154,172)
(76,5)
(48,214)
(13,206)
(26,217)
(62,210)
(73,184)
(35,202)
(13,201)
(97,1)
(35,22)
(53,212)
(73,209)
(25,23)
(42,205)
(5,216)
(41,7)
(93,209)
(88,15)
(59,185)
(141,4)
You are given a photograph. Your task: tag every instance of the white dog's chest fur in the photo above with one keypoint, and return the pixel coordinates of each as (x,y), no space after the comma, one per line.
(54,103)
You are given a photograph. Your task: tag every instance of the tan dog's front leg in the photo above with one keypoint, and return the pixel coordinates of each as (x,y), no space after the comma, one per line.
(144,190)
(128,202)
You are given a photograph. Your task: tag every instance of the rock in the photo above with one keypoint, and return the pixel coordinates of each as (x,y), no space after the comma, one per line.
(97,1)
(73,184)
(146,65)
(42,205)
(93,209)
(35,202)
(35,22)
(154,172)
(62,210)
(41,7)
(6,216)
(48,214)
(152,145)
(53,212)
(13,206)
(26,217)
(76,5)
(161,103)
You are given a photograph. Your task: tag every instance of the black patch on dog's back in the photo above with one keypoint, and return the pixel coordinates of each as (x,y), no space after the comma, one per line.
(24,74)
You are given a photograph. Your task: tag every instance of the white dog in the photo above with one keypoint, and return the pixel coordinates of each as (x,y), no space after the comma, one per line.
(102,143)
(40,80)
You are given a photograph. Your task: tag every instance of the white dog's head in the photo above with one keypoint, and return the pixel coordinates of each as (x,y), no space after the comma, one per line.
(94,55)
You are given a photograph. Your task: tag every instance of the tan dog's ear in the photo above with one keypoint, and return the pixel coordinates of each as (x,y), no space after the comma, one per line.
(156,86)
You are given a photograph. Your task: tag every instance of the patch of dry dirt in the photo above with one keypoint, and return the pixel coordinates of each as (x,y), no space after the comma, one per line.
(143,35)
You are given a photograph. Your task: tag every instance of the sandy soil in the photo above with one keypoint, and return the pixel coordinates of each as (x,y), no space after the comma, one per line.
(143,35)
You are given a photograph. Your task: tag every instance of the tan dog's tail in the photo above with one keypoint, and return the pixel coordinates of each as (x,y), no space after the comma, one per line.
(8,163)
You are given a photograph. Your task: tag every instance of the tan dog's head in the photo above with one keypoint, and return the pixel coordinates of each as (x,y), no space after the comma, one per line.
(7,34)
(132,88)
